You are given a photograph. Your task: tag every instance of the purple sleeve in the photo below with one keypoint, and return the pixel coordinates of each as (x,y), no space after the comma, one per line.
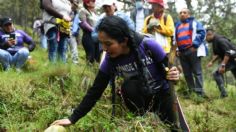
(84,25)
(26,38)
(105,67)
(156,49)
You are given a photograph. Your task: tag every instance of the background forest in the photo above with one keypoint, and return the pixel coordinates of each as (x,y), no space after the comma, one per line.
(42,93)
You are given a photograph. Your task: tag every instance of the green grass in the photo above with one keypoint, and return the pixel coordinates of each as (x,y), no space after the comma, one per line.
(44,92)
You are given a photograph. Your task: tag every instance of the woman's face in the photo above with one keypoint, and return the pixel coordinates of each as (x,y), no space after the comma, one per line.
(109,9)
(112,46)
(91,4)
(184,14)
(157,9)
(8,27)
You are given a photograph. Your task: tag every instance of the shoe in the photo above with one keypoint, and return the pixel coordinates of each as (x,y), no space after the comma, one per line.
(223,95)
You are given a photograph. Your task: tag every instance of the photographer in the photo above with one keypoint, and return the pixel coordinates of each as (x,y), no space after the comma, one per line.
(12,50)
(126,58)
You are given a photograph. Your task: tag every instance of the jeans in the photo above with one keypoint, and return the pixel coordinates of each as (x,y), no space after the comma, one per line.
(73,49)
(17,60)
(192,70)
(43,41)
(231,66)
(57,45)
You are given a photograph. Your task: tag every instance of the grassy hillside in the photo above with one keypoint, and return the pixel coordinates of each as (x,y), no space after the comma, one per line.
(43,92)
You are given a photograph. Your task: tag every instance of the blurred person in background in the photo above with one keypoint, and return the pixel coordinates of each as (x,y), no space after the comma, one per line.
(56,17)
(138,14)
(12,49)
(88,18)
(38,28)
(160,24)
(190,39)
(225,51)
(74,32)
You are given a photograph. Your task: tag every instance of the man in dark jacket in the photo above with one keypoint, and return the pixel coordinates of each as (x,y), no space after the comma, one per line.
(226,51)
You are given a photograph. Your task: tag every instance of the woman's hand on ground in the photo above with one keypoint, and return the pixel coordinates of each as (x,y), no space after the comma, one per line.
(62,122)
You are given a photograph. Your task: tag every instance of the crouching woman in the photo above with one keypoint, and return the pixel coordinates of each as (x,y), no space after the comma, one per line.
(140,62)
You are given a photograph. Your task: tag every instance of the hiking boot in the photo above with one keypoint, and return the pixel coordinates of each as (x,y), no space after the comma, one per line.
(223,95)
(223,92)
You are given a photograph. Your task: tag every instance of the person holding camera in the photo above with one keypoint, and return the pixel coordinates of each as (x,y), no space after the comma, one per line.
(140,62)
(160,24)
(12,50)
(224,50)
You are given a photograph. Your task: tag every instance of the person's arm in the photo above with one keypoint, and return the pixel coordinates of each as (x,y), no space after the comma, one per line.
(223,64)
(84,24)
(27,39)
(48,7)
(200,34)
(225,60)
(159,56)
(4,43)
(214,58)
(89,100)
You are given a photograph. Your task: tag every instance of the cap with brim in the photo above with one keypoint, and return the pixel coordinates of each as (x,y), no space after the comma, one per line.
(159,2)
(107,2)
(6,20)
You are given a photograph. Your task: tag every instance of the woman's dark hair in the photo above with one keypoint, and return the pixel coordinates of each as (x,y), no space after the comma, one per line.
(116,28)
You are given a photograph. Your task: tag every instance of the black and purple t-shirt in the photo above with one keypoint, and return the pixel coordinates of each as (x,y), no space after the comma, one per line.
(125,65)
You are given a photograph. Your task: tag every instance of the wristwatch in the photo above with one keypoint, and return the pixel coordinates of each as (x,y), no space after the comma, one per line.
(222,65)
